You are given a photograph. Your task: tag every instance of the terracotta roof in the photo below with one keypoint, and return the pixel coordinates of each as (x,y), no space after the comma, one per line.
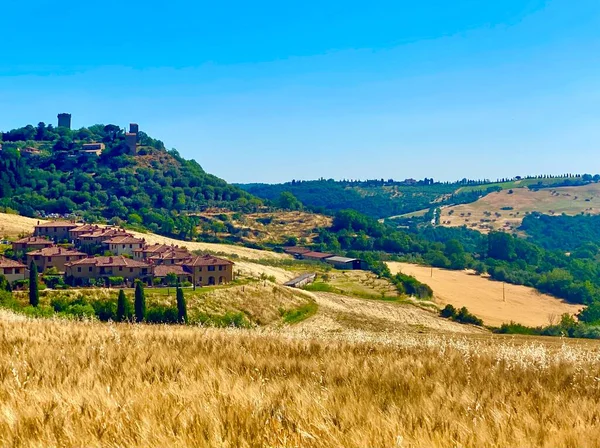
(163,270)
(34,240)
(124,240)
(55,251)
(205,260)
(8,263)
(85,228)
(172,253)
(159,248)
(296,250)
(58,224)
(105,232)
(109,261)
(318,255)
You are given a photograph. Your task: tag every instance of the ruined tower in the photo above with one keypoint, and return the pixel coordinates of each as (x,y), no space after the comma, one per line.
(64,120)
(134,128)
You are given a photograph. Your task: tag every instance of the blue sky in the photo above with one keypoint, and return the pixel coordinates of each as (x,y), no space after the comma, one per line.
(271,91)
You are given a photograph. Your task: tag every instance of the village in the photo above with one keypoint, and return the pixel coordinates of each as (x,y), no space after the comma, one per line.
(93,255)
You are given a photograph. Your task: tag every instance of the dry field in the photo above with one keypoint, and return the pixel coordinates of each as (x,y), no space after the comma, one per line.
(551,201)
(11,226)
(483,297)
(83,384)
(362,283)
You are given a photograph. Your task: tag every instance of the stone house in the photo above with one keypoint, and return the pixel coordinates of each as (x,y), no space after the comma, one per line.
(76,232)
(54,230)
(97,237)
(30,243)
(207,270)
(12,270)
(183,275)
(124,245)
(53,257)
(103,267)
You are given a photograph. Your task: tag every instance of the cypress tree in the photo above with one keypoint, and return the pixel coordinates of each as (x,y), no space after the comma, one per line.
(34,293)
(121,306)
(181,306)
(140,302)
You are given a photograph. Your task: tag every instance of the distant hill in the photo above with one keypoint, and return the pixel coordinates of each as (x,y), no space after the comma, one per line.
(44,171)
(374,198)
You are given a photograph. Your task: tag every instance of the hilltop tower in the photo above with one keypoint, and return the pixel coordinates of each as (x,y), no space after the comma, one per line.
(64,120)
(134,128)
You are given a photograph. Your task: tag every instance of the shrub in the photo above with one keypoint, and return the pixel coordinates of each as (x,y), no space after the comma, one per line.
(160,314)
(448,312)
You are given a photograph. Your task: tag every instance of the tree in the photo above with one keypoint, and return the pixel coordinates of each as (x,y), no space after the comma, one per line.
(34,293)
(288,201)
(181,306)
(171,279)
(140,302)
(122,306)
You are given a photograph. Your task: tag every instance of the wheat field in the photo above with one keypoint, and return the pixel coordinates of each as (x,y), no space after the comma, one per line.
(86,384)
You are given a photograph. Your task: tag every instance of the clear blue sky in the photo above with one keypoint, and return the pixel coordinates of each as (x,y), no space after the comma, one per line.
(268,91)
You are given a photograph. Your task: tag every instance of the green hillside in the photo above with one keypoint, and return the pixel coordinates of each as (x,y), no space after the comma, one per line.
(43,172)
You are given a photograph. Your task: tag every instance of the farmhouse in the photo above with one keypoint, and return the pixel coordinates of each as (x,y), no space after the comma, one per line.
(55,230)
(30,243)
(209,270)
(12,270)
(172,256)
(301,281)
(80,271)
(53,257)
(295,251)
(156,249)
(317,256)
(345,263)
(124,245)
(97,237)
(182,274)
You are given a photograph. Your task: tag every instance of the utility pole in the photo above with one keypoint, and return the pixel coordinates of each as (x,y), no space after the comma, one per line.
(503,291)
(432,272)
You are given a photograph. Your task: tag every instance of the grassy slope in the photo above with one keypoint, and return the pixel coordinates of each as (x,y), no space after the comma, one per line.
(568,200)
(87,384)
(483,297)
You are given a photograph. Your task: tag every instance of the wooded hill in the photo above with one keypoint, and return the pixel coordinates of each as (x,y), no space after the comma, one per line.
(156,188)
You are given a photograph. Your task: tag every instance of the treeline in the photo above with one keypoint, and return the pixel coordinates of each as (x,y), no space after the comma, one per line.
(503,256)
(157,191)
(579,235)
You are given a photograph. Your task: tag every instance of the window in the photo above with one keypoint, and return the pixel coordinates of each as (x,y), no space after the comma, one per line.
(7,270)
(78,269)
(37,257)
(120,268)
(17,270)
(49,259)
(123,246)
(68,258)
(90,269)
(220,268)
(211,268)
(131,246)
(130,269)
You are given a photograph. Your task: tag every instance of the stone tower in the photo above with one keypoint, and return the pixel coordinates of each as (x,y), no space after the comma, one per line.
(131,141)
(134,128)
(64,120)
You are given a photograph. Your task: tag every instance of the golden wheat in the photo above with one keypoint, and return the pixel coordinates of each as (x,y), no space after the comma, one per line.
(90,384)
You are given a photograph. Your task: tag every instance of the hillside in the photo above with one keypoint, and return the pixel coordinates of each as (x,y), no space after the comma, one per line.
(484,297)
(46,170)
(505,210)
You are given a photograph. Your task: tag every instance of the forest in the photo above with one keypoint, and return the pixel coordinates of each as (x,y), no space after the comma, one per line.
(577,234)
(157,189)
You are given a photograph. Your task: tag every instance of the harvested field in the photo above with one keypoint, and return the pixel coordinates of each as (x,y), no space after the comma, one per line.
(483,297)
(486,214)
(87,384)
(12,226)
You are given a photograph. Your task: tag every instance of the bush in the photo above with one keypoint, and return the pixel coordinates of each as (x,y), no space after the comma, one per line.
(448,312)
(462,315)
(115,281)
(160,314)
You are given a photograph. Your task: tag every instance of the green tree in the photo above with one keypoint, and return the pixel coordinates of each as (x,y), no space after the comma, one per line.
(121,306)
(181,306)
(288,201)
(140,302)
(171,280)
(34,293)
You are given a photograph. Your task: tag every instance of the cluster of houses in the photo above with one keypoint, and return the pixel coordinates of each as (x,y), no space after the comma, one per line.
(302,253)
(68,248)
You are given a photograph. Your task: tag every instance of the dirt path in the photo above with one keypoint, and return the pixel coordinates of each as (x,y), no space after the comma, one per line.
(483,297)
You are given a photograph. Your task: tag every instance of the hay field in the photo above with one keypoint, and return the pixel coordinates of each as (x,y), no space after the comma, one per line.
(551,201)
(483,297)
(11,226)
(75,384)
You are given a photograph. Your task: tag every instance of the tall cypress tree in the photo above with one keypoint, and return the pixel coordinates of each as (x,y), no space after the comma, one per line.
(34,293)
(121,306)
(181,306)
(140,302)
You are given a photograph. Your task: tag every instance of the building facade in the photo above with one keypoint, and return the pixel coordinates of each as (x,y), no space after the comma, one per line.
(53,257)
(124,245)
(64,120)
(13,270)
(54,230)
(78,272)
(207,270)
(30,243)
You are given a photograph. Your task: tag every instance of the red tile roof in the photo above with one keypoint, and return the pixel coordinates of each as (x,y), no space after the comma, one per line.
(318,255)
(206,260)
(163,270)
(296,250)
(109,261)
(8,263)
(34,240)
(71,225)
(124,240)
(85,228)
(56,251)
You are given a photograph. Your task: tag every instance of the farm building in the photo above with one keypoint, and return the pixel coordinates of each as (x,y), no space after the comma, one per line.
(53,257)
(124,245)
(12,270)
(301,281)
(293,250)
(317,256)
(30,243)
(102,267)
(345,263)
(55,230)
